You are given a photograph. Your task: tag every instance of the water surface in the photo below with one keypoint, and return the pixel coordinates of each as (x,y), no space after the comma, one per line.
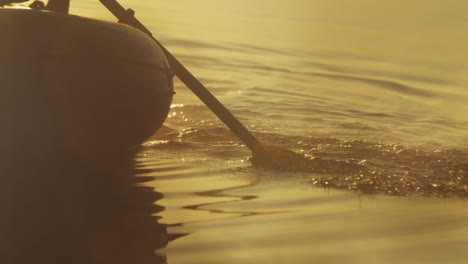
(376,83)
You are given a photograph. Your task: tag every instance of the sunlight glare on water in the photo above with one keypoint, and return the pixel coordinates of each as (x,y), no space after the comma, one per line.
(379,85)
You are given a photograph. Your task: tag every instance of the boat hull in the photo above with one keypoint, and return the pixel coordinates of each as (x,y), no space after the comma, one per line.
(69,82)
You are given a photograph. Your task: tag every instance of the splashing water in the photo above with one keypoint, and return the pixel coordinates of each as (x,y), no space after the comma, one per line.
(356,165)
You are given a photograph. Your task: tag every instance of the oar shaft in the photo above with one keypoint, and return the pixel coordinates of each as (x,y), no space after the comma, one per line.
(126,16)
(213,103)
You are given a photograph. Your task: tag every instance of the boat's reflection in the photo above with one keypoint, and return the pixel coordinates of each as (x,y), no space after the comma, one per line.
(77,207)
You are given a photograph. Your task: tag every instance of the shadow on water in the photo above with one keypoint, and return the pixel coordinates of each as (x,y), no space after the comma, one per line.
(77,207)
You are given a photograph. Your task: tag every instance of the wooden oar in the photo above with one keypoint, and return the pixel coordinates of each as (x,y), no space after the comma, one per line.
(266,156)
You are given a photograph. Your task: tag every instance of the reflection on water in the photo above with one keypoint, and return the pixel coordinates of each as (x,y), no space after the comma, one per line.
(235,213)
(78,207)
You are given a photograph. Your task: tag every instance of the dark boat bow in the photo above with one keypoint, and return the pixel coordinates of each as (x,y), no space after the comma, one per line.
(68,81)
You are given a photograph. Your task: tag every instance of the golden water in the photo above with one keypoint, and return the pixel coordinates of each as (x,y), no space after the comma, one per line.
(376,83)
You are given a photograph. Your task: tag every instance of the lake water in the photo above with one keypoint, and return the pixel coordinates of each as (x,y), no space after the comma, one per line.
(380,84)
